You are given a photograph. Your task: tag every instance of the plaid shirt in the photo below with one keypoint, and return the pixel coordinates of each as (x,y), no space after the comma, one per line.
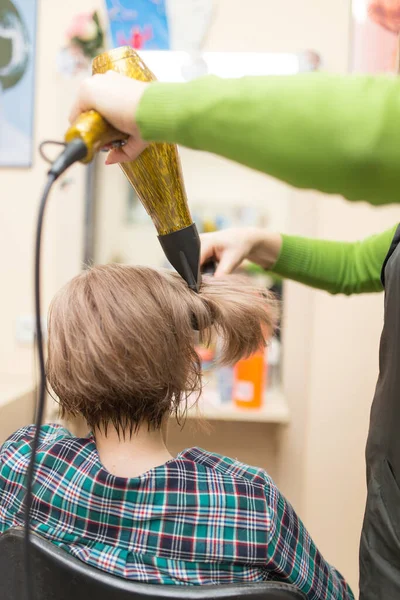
(198,519)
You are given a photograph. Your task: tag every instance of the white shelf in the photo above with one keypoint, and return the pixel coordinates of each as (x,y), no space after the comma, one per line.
(275,409)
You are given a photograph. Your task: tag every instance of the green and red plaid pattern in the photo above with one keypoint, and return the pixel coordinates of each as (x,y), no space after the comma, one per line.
(199,519)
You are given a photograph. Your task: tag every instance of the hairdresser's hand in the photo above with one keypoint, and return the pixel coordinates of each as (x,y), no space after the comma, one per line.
(117,99)
(231,247)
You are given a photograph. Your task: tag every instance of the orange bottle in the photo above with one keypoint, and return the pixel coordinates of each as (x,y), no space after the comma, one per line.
(250,381)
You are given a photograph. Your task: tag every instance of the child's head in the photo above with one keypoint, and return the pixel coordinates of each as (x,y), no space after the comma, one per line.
(121,340)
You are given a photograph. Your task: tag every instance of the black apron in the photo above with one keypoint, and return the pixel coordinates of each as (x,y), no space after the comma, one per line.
(380,537)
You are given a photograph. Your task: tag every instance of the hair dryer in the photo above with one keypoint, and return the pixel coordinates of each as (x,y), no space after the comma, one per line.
(155,175)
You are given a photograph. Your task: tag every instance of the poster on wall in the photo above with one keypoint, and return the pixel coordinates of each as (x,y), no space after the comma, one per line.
(141,24)
(17,70)
(376,27)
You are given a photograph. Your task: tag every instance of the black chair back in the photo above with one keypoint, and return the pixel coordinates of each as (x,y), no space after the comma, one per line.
(59,576)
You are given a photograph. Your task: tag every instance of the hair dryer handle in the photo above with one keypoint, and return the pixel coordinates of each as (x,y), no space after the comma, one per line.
(95,132)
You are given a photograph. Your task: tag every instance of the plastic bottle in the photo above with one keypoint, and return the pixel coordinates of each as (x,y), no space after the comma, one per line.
(250,381)
(225,377)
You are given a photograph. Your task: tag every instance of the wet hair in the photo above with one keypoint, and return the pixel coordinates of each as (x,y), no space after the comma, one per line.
(121,342)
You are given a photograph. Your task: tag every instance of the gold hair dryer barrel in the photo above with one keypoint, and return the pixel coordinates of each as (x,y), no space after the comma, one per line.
(94,131)
(155,175)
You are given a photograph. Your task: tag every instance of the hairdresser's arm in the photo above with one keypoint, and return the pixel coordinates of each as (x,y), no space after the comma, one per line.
(337,134)
(336,267)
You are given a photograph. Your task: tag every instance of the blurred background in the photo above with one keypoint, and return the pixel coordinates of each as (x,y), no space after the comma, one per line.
(308,424)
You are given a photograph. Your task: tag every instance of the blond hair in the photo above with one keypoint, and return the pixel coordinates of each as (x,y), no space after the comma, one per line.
(121,341)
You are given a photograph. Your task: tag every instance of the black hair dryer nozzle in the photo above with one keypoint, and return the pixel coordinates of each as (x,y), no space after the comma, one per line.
(182,249)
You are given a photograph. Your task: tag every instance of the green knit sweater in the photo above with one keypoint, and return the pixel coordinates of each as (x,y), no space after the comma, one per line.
(337,267)
(337,134)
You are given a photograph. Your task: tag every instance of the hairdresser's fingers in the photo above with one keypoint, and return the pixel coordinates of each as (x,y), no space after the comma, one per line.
(229,260)
(115,156)
(85,99)
(226,247)
(132,149)
(115,96)
(208,249)
(97,93)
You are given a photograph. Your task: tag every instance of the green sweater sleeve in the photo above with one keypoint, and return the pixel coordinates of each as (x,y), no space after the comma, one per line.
(336,134)
(337,267)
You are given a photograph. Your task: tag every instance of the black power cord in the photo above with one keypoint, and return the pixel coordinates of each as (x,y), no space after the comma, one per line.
(43,145)
(73,152)
(42,387)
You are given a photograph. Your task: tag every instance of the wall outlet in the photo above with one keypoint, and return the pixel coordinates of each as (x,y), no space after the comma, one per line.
(25,329)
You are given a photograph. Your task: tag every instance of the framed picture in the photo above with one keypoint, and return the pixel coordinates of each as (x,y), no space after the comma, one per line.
(142,24)
(375,44)
(17,72)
